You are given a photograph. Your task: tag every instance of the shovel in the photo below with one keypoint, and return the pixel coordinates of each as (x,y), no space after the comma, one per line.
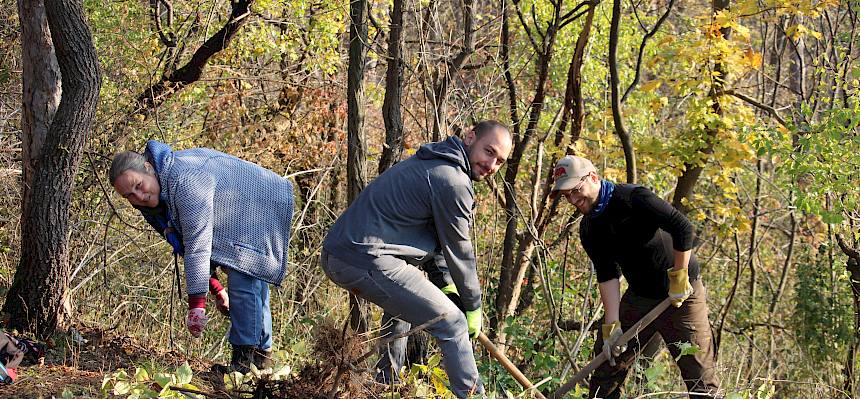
(600,358)
(513,370)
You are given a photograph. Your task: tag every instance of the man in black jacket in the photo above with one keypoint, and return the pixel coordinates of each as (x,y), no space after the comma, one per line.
(627,230)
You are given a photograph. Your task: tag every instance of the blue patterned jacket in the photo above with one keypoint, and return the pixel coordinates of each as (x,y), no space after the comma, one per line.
(227,211)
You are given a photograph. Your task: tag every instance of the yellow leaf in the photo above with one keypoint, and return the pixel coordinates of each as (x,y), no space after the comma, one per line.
(753,58)
(741,32)
(652,85)
(748,7)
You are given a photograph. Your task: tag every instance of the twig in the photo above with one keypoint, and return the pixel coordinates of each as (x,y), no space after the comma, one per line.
(387,340)
(378,345)
(194,391)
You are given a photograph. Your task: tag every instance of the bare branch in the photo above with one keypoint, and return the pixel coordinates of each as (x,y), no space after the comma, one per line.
(642,49)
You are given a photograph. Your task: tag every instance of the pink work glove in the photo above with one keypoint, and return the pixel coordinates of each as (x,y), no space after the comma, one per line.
(222,300)
(196,321)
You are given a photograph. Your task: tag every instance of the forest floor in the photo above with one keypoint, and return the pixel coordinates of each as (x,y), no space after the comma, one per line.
(78,365)
(77,368)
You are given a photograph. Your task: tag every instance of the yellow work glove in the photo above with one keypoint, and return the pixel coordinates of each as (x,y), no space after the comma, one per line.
(611,333)
(679,286)
(450,291)
(474,319)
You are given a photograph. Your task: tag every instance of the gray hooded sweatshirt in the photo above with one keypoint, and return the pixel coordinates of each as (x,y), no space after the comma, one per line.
(420,207)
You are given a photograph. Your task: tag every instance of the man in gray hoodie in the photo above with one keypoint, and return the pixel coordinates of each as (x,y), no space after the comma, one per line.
(418,209)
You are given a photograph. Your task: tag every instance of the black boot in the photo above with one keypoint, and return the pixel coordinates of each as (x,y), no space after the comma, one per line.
(243,357)
(263,359)
(240,361)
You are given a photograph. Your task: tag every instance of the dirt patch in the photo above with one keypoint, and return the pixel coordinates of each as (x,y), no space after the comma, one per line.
(80,363)
(51,381)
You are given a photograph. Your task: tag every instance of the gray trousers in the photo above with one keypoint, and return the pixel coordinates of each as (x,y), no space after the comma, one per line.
(403,292)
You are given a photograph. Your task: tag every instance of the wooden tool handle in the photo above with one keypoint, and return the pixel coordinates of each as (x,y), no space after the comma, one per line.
(600,358)
(513,370)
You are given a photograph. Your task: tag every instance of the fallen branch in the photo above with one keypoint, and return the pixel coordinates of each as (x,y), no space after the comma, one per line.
(341,368)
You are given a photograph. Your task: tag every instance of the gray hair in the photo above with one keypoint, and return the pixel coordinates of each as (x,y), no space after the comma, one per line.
(128,160)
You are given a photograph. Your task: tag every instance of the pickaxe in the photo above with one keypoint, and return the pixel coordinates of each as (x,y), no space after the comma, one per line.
(600,358)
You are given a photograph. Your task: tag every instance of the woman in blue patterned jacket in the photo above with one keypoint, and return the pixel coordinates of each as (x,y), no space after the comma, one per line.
(216,210)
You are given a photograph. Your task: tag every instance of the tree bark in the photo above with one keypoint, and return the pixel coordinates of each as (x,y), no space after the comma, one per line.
(620,130)
(574,112)
(453,66)
(853,266)
(519,246)
(357,149)
(393,148)
(41,89)
(692,170)
(41,280)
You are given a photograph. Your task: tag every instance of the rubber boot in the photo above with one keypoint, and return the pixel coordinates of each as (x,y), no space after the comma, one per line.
(263,359)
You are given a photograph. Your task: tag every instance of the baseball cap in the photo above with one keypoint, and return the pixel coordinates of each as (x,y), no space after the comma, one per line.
(569,171)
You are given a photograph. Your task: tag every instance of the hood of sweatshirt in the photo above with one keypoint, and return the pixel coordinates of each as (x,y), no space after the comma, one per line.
(451,149)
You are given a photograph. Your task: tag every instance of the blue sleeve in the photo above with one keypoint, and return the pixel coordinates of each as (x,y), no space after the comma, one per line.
(194,196)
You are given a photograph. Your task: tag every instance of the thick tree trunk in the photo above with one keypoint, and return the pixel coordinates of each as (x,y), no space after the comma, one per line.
(357,149)
(574,112)
(853,266)
(33,301)
(692,170)
(393,92)
(41,88)
(518,247)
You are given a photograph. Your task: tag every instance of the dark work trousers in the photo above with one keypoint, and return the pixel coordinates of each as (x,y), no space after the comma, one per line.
(688,323)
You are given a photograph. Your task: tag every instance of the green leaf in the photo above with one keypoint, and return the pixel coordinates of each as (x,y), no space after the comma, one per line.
(67,394)
(184,374)
(121,388)
(654,372)
(164,380)
(141,375)
(687,349)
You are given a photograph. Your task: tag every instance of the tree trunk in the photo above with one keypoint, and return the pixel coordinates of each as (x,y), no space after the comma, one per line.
(620,130)
(693,170)
(853,266)
(41,89)
(393,148)
(357,150)
(574,112)
(41,280)
(440,120)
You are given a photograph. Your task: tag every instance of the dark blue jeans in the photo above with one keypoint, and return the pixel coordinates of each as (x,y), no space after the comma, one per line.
(250,315)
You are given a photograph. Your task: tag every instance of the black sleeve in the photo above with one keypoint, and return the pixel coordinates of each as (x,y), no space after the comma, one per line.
(665,216)
(604,266)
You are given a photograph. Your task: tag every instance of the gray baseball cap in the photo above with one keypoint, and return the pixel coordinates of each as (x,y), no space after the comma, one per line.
(569,171)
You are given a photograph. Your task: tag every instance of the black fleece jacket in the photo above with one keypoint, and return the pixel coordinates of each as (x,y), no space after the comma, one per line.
(634,236)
